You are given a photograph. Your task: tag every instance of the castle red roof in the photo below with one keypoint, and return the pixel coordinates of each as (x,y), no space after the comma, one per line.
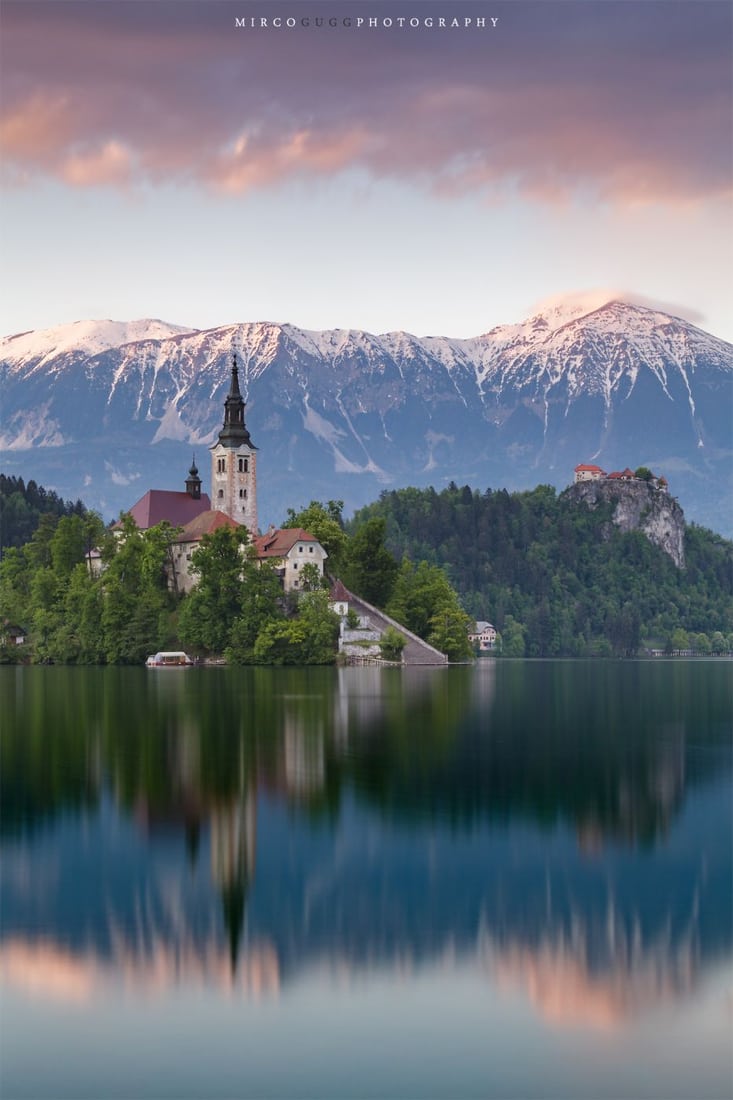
(589,468)
(164,504)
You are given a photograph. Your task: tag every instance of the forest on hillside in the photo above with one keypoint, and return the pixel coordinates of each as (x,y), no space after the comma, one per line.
(555,579)
(22,505)
(558,579)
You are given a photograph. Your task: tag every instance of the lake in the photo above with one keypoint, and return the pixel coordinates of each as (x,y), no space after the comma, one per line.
(507,880)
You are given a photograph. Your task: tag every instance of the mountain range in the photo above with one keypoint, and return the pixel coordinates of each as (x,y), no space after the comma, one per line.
(104,410)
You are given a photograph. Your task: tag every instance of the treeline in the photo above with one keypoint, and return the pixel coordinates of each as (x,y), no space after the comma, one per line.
(21,508)
(557,579)
(84,594)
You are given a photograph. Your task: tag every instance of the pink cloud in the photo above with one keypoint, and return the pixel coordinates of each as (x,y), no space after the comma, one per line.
(110,164)
(631,105)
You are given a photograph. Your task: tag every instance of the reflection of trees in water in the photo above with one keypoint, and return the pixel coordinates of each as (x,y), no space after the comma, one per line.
(449,749)
(599,745)
(590,944)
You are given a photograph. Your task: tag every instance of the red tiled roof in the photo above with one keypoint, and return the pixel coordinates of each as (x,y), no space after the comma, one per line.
(616,473)
(339,593)
(628,473)
(204,524)
(161,504)
(584,466)
(277,543)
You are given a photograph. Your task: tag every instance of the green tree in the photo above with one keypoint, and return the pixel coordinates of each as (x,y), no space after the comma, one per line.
(280,642)
(261,595)
(15,578)
(424,601)
(370,569)
(68,545)
(308,639)
(623,630)
(449,632)
(38,550)
(392,643)
(84,605)
(680,640)
(512,644)
(208,613)
(137,604)
(311,578)
(47,614)
(21,507)
(322,628)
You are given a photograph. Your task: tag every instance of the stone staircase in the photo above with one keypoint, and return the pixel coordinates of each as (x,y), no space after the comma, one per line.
(357,643)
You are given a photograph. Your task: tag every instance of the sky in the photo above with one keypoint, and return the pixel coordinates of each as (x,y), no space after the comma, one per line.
(160,161)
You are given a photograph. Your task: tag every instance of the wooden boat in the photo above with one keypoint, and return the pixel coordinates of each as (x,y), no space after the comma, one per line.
(173,659)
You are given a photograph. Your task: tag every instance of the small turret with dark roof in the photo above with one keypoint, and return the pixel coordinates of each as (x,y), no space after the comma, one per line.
(193,481)
(234,433)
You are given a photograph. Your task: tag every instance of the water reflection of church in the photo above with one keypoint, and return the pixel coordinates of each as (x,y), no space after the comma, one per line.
(301,831)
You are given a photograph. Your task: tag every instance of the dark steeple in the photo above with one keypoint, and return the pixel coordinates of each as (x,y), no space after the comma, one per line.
(234,433)
(193,482)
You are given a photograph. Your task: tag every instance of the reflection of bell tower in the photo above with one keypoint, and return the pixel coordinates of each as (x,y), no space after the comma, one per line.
(233,851)
(234,462)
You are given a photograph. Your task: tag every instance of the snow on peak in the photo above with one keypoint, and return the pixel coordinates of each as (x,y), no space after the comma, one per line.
(552,313)
(560,309)
(88,337)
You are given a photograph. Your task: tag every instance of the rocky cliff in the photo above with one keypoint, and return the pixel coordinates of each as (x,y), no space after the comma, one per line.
(638,506)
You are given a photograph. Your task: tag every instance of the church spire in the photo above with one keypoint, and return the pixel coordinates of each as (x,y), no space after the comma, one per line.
(234,433)
(234,461)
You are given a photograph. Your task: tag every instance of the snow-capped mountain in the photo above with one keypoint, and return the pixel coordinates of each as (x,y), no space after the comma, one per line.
(91,408)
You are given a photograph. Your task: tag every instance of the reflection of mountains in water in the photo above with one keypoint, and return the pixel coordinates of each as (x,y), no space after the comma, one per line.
(587,938)
(371,820)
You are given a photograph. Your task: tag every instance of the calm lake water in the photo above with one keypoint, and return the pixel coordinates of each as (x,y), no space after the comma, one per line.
(510,880)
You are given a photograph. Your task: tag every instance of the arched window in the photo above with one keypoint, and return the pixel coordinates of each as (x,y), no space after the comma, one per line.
(221,494)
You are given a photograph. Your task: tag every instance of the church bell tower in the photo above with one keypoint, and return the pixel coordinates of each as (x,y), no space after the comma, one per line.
(234,462)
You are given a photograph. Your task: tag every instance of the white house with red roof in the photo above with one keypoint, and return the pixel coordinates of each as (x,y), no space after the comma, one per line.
(290,549)
(483,636)
(587,472)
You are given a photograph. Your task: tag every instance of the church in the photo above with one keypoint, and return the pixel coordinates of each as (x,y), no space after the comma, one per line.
(232,503)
